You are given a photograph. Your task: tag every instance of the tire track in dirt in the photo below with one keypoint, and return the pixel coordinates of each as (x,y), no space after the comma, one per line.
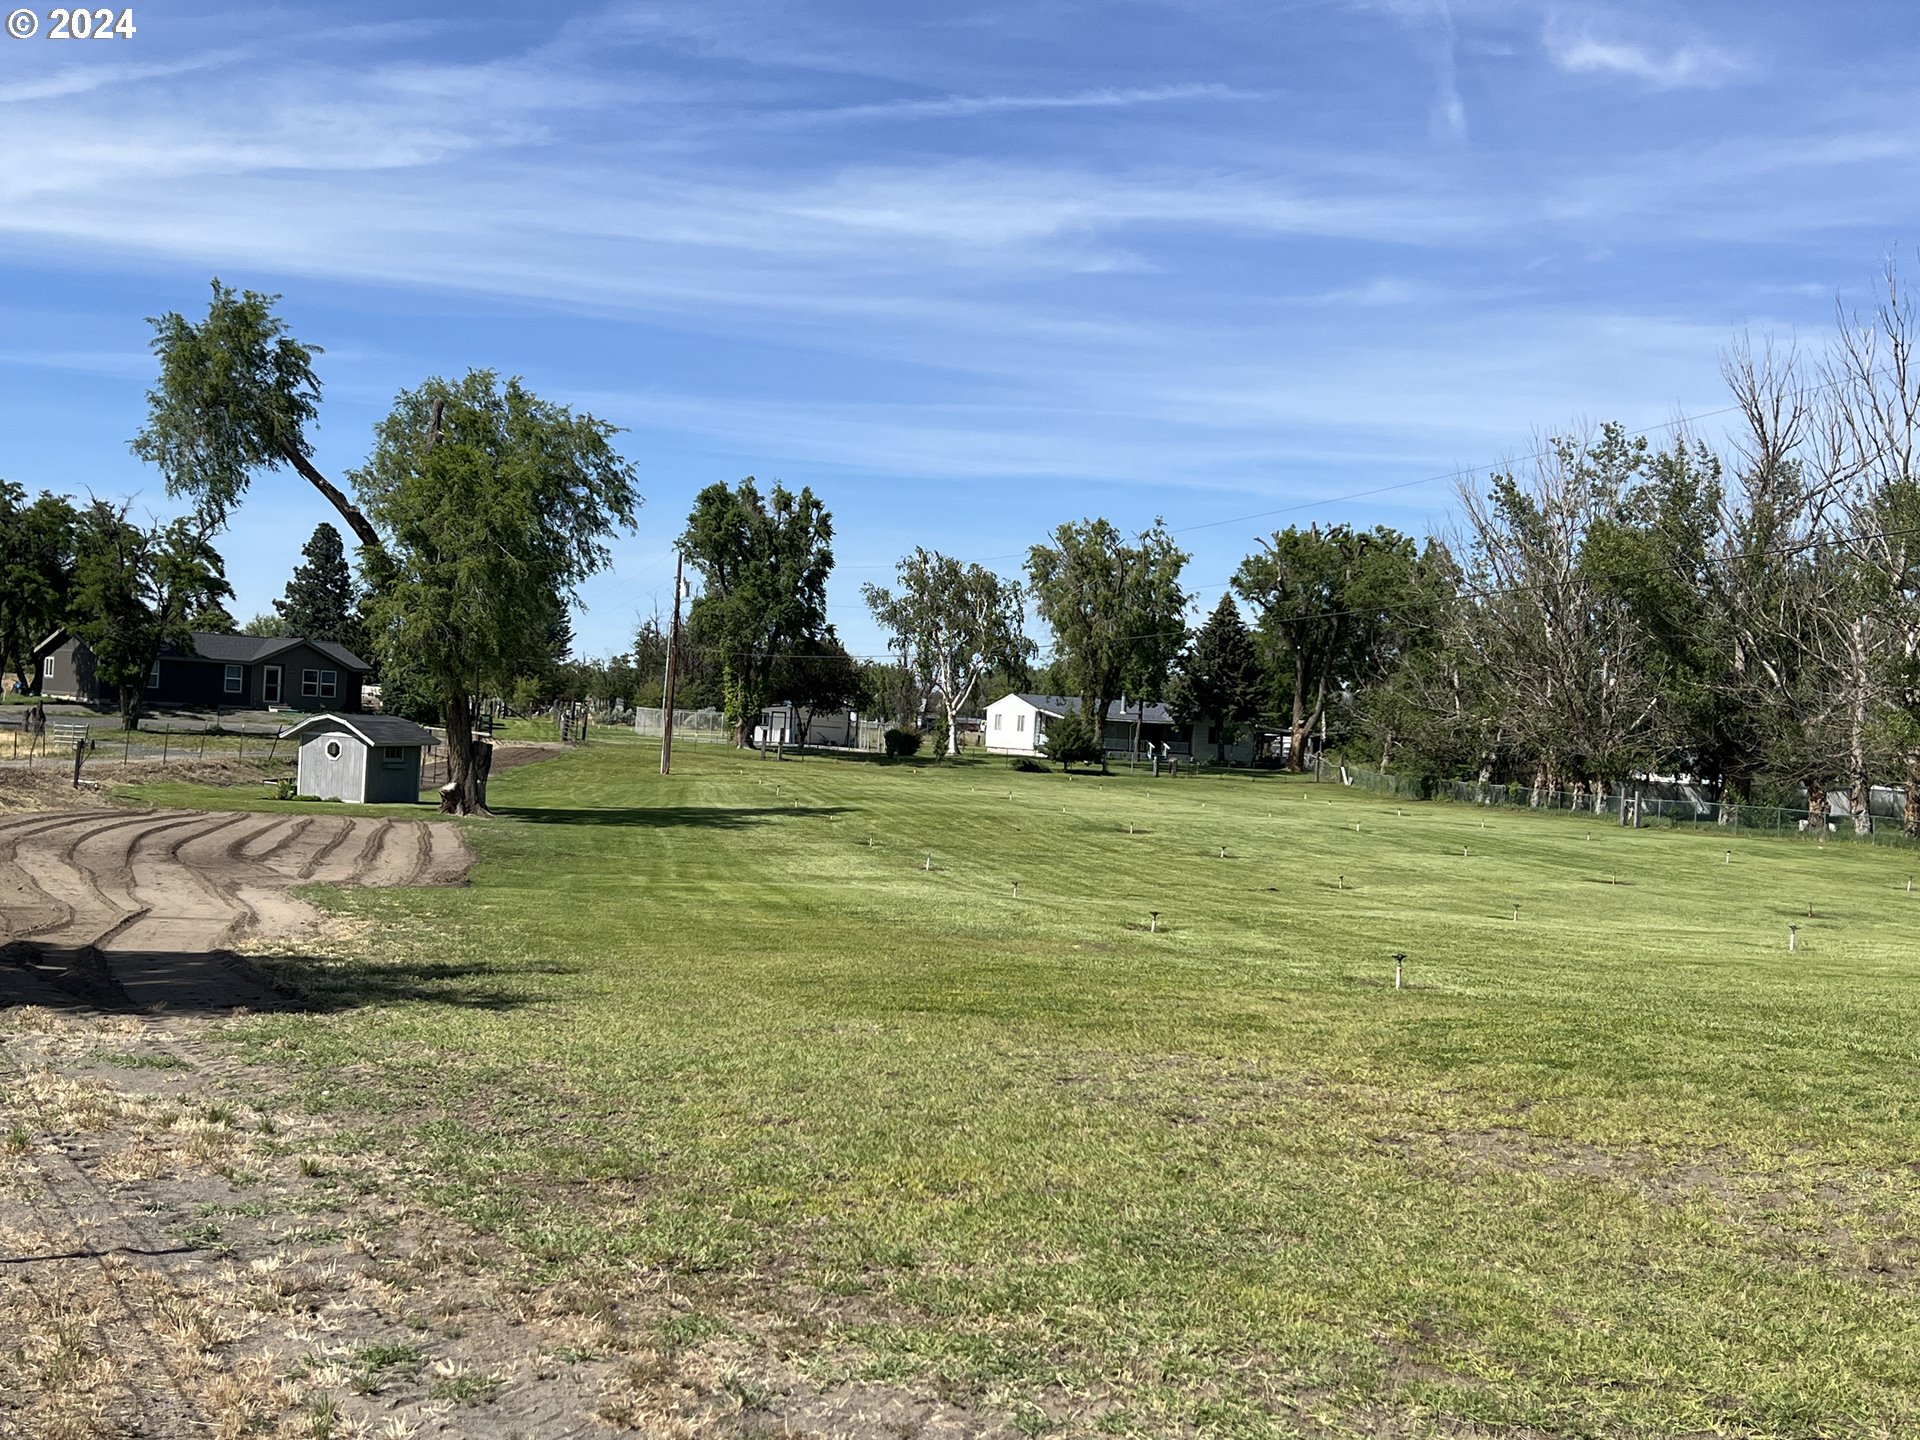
(288,831)
(48,860)
(144,906)
(101,861)
(21,897)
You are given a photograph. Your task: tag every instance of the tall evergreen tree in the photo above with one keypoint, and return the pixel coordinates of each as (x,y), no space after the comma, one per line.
(321,601)
(1218,677)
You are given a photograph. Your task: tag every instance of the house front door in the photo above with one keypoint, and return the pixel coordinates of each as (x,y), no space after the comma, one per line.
(270,685)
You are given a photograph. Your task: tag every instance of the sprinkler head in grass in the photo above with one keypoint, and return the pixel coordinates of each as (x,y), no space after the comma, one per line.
(1399,965)
(1016,889)
(929,863)
(1793,938)
(1729,859)
(1516,914)
(1153,922)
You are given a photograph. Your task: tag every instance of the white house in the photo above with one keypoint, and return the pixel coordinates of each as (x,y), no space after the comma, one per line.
(362,759)
(1017,725)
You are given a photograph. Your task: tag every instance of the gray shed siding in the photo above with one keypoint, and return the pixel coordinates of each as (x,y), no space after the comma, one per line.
(358,774)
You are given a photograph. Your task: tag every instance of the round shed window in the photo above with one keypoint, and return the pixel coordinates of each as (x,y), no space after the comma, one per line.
(333,749)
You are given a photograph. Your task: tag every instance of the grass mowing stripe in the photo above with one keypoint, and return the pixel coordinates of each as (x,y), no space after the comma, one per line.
(1622,1167)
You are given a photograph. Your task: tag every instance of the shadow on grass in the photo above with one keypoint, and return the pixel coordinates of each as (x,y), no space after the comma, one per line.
(669,817)
(85,978)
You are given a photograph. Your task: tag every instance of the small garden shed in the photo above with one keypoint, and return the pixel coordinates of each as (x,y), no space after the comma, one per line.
(362,759)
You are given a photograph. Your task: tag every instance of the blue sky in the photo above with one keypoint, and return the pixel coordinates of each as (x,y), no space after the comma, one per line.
(967,269)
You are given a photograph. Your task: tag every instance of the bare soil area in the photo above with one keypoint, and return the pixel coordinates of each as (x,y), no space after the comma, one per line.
(142,910)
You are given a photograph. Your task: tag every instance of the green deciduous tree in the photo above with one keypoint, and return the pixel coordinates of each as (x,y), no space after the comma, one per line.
(951,623)
(1219,677)
(764,563)
(1329,603)
(36,572)
(815,676)
(235,396)
(1116,608)
(133,591)
(491,505)
(470,554)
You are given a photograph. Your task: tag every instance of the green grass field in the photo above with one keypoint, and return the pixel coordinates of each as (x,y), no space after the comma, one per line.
(1622,1167)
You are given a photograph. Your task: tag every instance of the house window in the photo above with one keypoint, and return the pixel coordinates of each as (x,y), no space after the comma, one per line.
(997,719)
(236,679)
(1020,723)
(153,676)
(319,684)
(394,757)
(333,749)
(47,667)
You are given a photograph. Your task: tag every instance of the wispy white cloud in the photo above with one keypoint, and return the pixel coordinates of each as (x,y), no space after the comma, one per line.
(1577,49)
(82,79)
(952,107)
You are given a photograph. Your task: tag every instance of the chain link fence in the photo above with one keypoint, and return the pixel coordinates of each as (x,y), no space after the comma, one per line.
(695,726)
(1667,803)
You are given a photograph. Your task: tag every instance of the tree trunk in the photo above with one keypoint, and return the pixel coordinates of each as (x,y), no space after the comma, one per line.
(1910,817)
(362,527)
(1539,787)
(1859,783)
(468,763)
(1817,806)
(953,730)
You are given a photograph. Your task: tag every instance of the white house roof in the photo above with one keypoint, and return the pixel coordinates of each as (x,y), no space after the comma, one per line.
(1061,705)
(373,729)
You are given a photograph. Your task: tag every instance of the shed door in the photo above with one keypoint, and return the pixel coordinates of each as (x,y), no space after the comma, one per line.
(270,685)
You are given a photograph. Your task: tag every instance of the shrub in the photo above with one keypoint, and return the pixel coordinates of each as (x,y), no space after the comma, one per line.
(287,790)
(902,742)
(1027,765)
(1070,739)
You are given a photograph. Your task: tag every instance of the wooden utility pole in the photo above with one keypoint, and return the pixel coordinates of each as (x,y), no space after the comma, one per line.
(673,650)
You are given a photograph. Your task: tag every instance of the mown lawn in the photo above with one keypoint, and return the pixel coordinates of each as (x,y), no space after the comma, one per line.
(1622,1167)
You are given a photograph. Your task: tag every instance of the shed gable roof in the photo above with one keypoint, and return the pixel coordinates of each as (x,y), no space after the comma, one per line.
(372,729)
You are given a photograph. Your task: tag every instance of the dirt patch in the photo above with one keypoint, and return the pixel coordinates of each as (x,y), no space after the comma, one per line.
(144,909)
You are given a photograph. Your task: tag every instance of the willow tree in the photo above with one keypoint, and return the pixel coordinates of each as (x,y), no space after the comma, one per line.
(478,514)
(497,505)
